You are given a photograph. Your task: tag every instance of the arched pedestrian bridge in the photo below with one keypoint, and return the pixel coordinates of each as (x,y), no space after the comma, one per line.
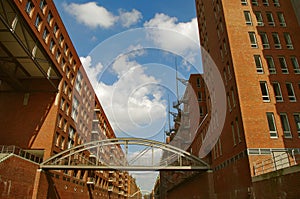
(124,154)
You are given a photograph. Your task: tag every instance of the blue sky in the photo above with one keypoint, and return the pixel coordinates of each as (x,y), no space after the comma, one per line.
(128,49)
(183,10)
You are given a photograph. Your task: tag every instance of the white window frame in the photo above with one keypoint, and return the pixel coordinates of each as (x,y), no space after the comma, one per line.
(271,65)
(258,64)
(276,40)
(233,97)
(285,125)
(291,92)
(244,2)
(276,3)
(264,91)
(265,2)
(233,134)
(229,103)
(253,40)
(277,92)
(288,40)
(238,129)
(272,125)
(259,18)
(254,2)
(295,64)
(248,18)
(264,40)
(270,18)
(281,19)
(283,65)
(297,122)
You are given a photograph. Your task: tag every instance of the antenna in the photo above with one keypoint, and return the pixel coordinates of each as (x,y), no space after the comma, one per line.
(177,92)
(169,113)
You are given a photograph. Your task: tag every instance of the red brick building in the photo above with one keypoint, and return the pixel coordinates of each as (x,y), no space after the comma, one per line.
(47,105)
(256,47)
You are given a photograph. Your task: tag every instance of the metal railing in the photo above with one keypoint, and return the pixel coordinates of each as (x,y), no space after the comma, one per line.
(20,152)
(276,162)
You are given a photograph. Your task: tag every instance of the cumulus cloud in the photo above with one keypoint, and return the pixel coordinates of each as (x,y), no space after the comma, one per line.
(134,102)
(92,71)
(176,42)
(93,15)
(129,18)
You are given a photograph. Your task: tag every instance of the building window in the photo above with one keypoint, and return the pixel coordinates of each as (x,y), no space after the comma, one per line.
(45,34)
(254,2)
(288,41)
(225,46)
(276,40)
(271,65)
(253,39)
(51,47)
(270,19)
(272,125)
(78,83)
(201,110)
(244,2)
(297,122)
(264,91)
(38,21)
(283,65)
(238,129)
(233,97)
(229,103)
(198,82)
(290,90)
(248,19)
(258,63)
(264,40)
(233,134)
(55,29)
(265,2)
(43,5)
(277,92)
(295,64)
(225,76)
(75,107)
(259,18)
(281,19)
(276,3)
(285,125)
(49,17)
(29,7)
(57,56)
(199,96)
(229,71)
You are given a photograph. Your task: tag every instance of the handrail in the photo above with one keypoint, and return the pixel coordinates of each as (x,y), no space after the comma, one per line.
(275,163)
(12,149)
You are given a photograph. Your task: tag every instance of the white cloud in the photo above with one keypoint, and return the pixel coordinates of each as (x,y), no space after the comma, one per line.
(133,103)
(186,41)
(129,18)
(92,71)
(93,15)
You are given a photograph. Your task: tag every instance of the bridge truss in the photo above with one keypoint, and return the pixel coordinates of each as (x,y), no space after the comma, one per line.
(128,154)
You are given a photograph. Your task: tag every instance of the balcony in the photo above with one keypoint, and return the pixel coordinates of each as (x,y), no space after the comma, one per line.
(91,181)
(110,188)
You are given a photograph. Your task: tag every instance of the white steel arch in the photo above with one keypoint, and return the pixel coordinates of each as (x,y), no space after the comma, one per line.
(125,154)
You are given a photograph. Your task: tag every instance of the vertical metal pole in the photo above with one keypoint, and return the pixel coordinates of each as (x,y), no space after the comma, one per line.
(152,155)
(126,152)
(274,161)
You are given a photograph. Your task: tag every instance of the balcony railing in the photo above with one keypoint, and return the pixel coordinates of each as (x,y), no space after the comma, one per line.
(276,162)
(20,152)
